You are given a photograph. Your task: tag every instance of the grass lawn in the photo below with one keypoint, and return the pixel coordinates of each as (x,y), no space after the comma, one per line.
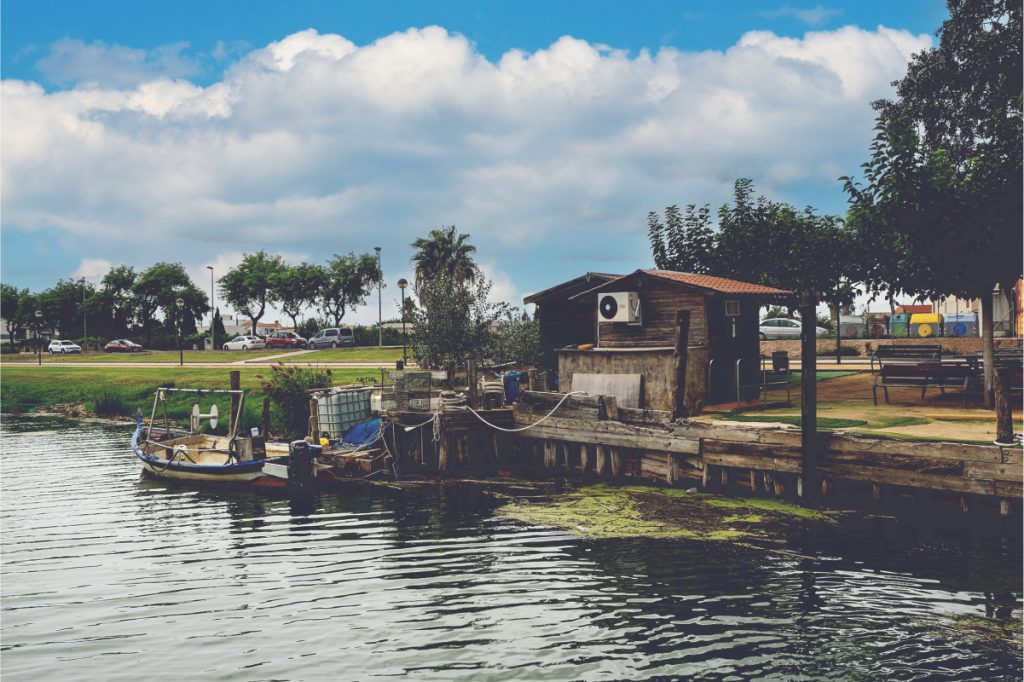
(361,354)
(190,356)
(120,390)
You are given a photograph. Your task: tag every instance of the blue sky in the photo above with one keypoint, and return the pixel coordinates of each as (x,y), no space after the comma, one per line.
(195,131)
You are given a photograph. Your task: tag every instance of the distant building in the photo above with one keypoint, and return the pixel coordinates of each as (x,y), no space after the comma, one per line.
(1007,319)
(235,325)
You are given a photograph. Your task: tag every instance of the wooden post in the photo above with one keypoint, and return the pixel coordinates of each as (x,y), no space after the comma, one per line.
(471,383)
(672,473)
(314,422)
(550,457)
(442,445)
(599,462)
(987,345)
(753,481)
(876,492)
(1004,407)
(585,457)
(265,419)
(682,336)
(1005,508)
(615,456)
(965,504)
(706,477)
(235,379)
(808,396)
(609,408)
(725,477)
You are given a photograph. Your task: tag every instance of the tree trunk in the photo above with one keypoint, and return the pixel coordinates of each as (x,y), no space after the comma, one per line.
(987,343)
(839,334)
(808,397)
(892,314)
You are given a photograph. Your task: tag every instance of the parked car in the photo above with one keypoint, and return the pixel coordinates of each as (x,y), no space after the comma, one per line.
(784,328)
(64,347)
(332,338)
(245,342)
(122,346)
(285,340)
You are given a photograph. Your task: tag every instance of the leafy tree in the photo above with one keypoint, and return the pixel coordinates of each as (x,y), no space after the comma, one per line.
(348,281)
(941,205)
(516,338)
(444,251)
(685,242)
(62,306)
(111,308)
(156,289)
(298,287)
(453,322)
(17,315)
(249,287)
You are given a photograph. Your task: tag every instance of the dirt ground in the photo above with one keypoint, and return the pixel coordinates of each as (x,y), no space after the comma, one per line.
(937,416)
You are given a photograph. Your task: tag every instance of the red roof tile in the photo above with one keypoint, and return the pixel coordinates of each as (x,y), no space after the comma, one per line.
(720,284)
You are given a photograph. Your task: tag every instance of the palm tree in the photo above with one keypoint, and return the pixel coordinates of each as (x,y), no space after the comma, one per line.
(445,250)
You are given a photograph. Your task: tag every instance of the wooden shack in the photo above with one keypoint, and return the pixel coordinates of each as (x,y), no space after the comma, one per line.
(723,328)
(564,322)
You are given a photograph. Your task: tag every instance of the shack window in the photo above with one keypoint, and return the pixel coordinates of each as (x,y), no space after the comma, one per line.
(732,308)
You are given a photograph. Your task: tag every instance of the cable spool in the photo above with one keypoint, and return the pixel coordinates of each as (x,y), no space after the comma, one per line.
(852,331)
(959,329)
(925,330)
(197,416)
(899,329)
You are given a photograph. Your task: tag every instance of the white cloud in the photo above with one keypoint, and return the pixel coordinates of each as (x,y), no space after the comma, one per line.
(314,145)
(72,61)
(92,269)
(812,16)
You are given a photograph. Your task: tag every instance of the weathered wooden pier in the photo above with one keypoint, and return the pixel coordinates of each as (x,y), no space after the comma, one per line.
(591,436)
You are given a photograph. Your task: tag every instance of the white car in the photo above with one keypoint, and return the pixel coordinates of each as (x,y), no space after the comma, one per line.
(785,328)
(64,347)
(245,342)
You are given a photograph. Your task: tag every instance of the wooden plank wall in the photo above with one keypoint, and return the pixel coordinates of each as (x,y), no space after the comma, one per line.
(659,302)
(765,458)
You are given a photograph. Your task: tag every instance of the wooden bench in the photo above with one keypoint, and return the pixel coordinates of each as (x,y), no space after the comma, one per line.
(965,376)
(912,366)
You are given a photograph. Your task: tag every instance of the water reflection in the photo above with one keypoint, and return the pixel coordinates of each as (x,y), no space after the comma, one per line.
(104,575)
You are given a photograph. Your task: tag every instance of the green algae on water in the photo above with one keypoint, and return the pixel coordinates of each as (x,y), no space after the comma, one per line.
(608,511)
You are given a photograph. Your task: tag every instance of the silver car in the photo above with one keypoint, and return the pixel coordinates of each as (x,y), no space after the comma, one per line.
(332,338)
(785,328)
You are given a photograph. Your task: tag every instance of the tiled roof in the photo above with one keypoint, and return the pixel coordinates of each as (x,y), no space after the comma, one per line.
(719,284)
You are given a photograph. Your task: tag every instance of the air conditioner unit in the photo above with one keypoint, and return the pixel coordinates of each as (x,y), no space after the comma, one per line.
(621,306)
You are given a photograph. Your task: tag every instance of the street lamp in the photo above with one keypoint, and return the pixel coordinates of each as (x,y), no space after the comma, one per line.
(213,334)
(39,340)
(85,321)
(402,284)
(380,305)
(180,302)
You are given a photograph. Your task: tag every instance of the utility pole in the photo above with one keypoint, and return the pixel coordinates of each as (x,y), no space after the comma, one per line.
(380,304)
(213,333)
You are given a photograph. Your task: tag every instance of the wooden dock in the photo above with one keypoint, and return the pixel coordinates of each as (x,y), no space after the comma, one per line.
(591,436)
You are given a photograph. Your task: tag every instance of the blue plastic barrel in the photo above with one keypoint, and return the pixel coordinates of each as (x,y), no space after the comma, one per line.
(511,382)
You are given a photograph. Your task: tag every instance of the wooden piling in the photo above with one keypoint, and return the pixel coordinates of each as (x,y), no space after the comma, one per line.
(600,457)
(1004,409)
(615,457)
(442,445)
(808,396)
(876,492)
(1005,508)
(265,419)
(682,336)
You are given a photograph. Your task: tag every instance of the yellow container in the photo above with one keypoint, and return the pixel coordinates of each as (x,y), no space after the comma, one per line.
(925,325)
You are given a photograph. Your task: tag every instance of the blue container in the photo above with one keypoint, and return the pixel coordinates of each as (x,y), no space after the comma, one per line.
(511,382)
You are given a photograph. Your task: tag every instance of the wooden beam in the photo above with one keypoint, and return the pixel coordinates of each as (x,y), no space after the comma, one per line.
(678,380)
(809,394)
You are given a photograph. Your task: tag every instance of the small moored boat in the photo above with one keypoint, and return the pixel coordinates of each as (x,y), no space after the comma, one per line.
(199,457)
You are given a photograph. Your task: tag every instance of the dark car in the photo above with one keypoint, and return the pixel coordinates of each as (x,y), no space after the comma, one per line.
(332,338)
(285,340)
(122,346)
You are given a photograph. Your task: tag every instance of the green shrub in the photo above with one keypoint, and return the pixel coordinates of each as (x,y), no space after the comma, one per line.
(111,403)
(845,351)
(289,387)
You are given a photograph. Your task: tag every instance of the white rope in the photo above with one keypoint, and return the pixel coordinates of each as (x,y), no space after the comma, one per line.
(530,426)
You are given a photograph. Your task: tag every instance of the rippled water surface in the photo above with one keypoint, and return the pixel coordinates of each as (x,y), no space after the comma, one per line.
(106,576)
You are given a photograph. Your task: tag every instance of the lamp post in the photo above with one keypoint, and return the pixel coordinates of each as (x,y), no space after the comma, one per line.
(85,321)
(39,339)
(213,333)
(380,305)
(402,284)
(180,302)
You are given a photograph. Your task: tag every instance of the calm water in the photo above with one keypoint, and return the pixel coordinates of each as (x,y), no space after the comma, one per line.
(105,576)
